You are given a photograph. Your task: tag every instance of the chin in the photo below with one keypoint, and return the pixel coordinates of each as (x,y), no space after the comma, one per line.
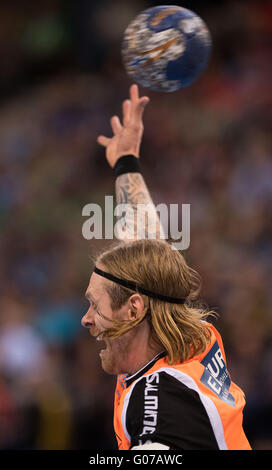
(109,367)
(109,370)
(112,360)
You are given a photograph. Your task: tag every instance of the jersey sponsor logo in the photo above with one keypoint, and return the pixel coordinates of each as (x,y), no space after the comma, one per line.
(151,402)
(216,376)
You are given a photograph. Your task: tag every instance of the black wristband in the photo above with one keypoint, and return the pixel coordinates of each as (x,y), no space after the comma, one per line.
(126,164)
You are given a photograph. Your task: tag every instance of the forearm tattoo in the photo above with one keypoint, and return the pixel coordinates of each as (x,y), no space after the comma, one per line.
(138,217)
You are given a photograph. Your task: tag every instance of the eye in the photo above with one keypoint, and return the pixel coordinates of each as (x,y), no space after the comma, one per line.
(93,305)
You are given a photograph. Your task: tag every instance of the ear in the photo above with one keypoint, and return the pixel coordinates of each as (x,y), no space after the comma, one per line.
(136,306)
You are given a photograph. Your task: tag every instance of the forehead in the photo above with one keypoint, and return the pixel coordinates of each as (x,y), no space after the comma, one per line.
(96,288)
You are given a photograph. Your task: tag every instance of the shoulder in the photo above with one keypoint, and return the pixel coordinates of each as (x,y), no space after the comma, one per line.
(163,406)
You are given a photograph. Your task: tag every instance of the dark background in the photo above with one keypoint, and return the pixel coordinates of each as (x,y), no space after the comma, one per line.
(61,78)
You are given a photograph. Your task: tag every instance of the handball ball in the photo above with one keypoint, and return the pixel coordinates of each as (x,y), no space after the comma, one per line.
(166,48)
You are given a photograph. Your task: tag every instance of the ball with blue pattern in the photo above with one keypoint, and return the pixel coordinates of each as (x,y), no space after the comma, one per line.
(166,48)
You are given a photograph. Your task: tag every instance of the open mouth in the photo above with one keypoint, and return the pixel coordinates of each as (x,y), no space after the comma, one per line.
(101,342)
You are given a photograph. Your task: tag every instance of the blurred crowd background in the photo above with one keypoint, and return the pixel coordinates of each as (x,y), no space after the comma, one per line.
(209,145)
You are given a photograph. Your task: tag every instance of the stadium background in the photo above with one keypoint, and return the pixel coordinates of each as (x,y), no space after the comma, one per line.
(61,78)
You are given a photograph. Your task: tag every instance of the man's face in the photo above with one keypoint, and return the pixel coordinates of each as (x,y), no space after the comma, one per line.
(115,351)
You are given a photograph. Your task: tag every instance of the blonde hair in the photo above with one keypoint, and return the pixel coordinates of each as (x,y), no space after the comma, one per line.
(154,265)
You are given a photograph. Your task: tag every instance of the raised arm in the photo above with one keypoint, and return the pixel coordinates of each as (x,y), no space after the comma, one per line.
(141,221)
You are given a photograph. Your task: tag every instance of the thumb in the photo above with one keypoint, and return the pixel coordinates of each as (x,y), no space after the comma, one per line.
(102,140)
(144,101)
(141,106)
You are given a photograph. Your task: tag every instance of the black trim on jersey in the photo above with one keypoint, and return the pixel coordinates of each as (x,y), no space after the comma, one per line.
(162,409)
(130,379)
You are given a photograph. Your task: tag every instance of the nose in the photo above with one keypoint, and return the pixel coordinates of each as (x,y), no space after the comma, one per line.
(87,320)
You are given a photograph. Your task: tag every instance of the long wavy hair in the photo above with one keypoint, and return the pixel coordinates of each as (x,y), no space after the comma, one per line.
(154,265)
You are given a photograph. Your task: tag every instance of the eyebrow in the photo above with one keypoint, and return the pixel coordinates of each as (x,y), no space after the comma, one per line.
(89,296)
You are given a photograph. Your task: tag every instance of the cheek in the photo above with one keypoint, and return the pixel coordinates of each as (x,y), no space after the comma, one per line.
(120,346)
(99,323)
(103,323)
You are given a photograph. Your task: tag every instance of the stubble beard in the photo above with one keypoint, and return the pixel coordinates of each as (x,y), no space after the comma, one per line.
(114,357)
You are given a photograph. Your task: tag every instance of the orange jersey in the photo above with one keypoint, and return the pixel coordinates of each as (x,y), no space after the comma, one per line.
(193,405)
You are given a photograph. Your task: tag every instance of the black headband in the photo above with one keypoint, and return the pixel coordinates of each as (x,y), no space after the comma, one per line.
(133,286)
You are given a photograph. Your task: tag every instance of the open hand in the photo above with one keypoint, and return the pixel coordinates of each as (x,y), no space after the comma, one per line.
(127,137)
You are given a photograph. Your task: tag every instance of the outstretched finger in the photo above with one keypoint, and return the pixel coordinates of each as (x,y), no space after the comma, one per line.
(116,125)
(138,104)
(139,109)
(102,140)
(126,112)
(134,93)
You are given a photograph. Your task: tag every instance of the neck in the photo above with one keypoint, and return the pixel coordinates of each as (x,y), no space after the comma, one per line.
(144,365)
(143,350)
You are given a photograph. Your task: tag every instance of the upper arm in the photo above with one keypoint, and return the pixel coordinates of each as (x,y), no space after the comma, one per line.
(138,217)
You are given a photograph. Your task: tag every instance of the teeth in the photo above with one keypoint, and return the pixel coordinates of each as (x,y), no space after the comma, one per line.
(99,337)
